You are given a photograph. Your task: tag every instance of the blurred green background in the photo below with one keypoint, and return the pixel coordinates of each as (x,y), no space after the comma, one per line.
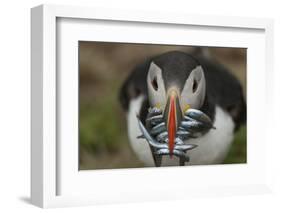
(103,66)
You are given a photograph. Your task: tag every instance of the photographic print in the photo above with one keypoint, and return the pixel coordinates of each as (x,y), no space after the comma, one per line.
(151,105)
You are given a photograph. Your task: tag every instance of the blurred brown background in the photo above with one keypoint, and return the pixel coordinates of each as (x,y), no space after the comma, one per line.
(103,67)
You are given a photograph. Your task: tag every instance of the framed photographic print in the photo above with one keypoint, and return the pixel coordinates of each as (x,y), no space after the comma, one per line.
(130,106)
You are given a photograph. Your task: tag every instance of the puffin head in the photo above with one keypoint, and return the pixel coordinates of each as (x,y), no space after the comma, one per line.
(175,83)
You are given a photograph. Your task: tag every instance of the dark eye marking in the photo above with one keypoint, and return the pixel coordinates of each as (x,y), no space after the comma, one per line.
(154,83)
(194,86)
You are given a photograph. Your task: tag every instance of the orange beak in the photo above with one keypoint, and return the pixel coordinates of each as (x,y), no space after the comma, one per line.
(173,114)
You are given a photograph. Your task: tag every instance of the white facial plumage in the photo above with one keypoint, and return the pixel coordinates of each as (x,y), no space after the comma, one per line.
(192,94)
(194,90)
(156,88)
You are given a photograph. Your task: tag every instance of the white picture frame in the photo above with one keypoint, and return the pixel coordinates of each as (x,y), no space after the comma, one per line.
(55,179)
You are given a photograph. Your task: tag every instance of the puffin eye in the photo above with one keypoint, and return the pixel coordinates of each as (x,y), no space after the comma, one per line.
(154,83)
(194,86)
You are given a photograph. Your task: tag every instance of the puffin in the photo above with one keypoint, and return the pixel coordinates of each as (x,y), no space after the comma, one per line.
(182,107)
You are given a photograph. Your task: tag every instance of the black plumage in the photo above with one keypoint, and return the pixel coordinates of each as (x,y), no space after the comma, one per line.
(222,88)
